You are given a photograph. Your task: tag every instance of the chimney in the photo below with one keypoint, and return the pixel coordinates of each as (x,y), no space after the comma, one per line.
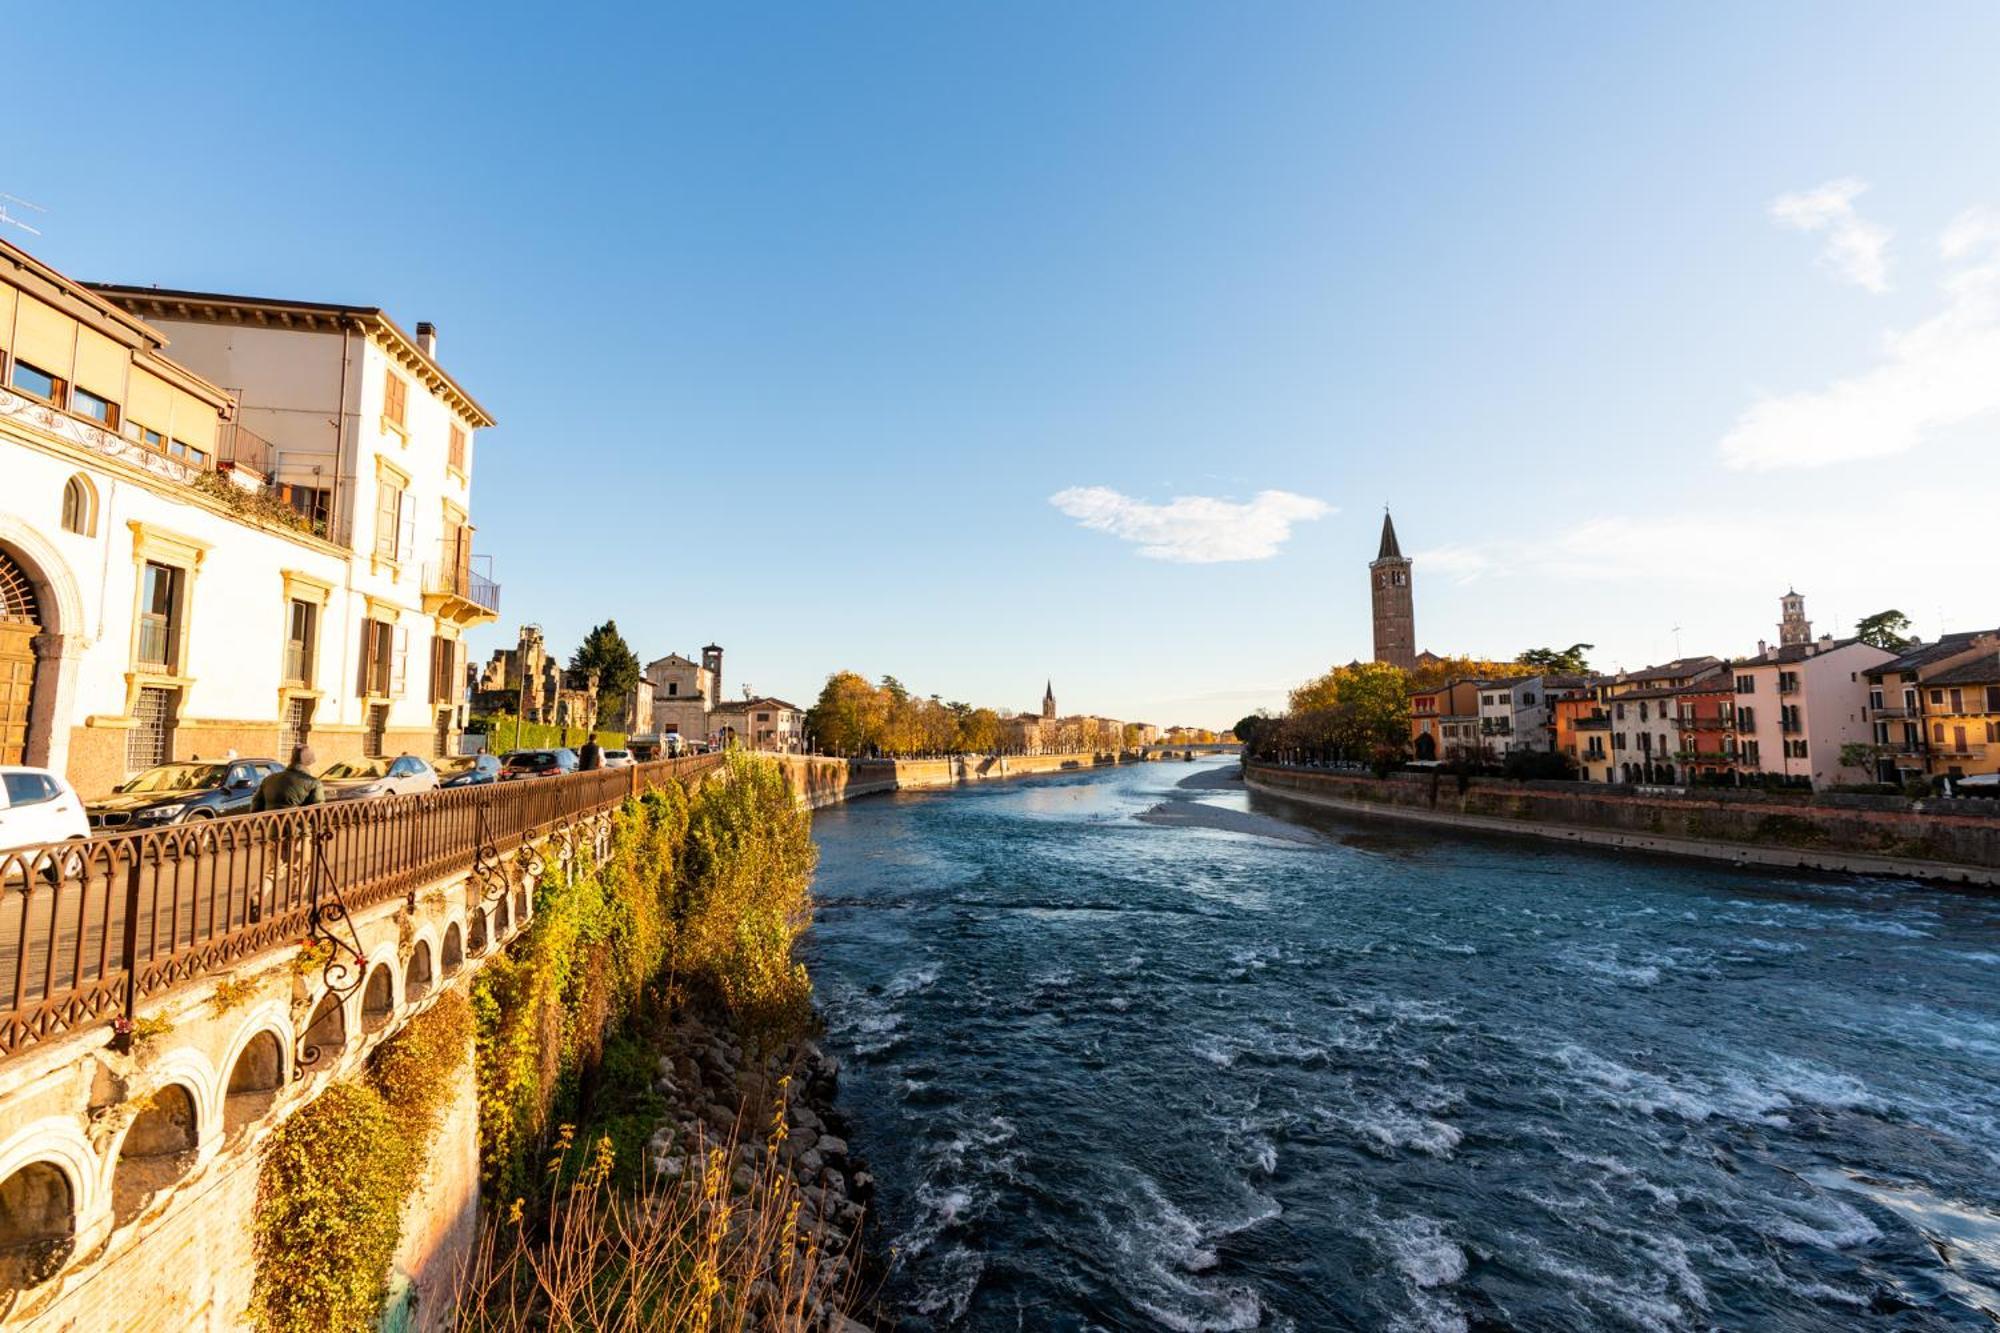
(1763,648)
(427,338)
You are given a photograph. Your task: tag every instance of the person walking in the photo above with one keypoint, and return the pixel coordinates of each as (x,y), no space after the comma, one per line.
(591,756)
(291,786)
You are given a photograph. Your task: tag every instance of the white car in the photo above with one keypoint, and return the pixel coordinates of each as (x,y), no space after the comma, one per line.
(37,806)
(349,779)
(617,758)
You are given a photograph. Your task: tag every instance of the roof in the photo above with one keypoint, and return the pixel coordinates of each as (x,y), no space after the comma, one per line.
(1796,652)
(1680,666)
(120,325)
(220,308)
(1917,655)
(761,701)
(1390,550)
(1980,670)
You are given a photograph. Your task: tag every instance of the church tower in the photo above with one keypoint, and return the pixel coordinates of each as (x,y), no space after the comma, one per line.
(1049,701)
(1395,611)
(1794,628)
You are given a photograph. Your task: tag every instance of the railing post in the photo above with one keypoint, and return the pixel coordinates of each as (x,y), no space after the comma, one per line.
(131,944)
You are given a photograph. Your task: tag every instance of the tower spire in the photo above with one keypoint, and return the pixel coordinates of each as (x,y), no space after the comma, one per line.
(1390,550)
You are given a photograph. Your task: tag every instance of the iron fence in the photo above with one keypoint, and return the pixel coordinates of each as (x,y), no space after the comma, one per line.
(89,928)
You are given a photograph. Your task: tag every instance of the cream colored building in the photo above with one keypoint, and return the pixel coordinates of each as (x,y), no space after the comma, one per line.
(1800,702)
(158,599)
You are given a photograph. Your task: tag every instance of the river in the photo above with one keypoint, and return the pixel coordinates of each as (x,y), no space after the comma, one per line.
(1127,1051)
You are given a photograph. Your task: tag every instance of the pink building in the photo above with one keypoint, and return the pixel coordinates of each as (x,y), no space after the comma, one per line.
(1799,701)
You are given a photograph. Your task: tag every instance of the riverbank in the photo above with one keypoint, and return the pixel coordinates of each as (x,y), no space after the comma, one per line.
(1861,835)
(821,781)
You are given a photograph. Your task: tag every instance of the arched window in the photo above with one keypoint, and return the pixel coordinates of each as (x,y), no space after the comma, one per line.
(417,976)
(326,1033)
(378,1000)
(37,1225)
(157,1151)
(79,512)
(253,1083)
(454,949)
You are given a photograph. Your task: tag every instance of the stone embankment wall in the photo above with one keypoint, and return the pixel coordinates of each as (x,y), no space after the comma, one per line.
(1951,841)
(821,782)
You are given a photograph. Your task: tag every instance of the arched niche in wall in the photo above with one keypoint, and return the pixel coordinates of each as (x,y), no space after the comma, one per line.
(37,1225)
(417,975)
(157,1151)
(454,949)
(378,998)
(254,1082)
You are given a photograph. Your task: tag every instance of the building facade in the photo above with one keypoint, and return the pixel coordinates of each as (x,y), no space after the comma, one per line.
(160,596)
(1798,708)
(1920,700)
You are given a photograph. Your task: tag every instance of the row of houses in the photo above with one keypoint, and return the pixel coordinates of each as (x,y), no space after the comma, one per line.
(230,523)
(1803,711)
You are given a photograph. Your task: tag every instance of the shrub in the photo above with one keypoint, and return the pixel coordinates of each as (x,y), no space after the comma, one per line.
(334,1177)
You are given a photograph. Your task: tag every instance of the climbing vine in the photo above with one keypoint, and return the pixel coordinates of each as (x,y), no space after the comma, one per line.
(335,1176)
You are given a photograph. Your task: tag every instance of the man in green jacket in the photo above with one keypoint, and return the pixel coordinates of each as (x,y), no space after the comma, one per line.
(291,786)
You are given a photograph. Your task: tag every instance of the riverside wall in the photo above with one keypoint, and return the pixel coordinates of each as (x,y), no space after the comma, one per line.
(1947,841)
(822,781)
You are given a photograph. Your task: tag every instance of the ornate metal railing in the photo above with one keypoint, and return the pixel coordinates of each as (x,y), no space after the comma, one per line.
(89,928)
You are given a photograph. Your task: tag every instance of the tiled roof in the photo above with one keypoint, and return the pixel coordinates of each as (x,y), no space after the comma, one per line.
(1979,671)
(1946,646)
(1796,652)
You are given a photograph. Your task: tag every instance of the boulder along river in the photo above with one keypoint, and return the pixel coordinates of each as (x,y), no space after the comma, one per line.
(1135,1048)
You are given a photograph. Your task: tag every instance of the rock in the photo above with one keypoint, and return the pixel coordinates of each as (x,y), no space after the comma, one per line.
(832,1149)
(670,1167)
(811,1163)
(863,1185)
(741,1179)
(806,1139)
(803,1117)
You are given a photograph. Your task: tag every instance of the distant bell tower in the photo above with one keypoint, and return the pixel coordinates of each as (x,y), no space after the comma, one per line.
(1794,628)
(1395,610)
(711,662)
(1049,701)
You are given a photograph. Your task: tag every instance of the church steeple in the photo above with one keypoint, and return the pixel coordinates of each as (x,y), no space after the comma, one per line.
(1389,551)
(1049,700)
(1392,601)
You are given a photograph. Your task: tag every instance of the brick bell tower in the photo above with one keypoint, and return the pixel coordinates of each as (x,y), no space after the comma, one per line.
(1395,610)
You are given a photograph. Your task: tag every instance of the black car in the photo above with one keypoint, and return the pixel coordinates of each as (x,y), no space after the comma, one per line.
(536,764)
(468,770)
(175,793)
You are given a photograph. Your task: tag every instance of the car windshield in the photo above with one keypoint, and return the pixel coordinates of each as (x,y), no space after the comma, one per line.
(355,768)
(178,777)
(462,764)
(531,759)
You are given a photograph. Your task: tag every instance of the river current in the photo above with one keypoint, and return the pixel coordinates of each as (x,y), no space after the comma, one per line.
(1136,1049)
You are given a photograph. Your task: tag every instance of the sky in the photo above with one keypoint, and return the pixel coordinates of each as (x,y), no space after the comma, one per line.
(990,345)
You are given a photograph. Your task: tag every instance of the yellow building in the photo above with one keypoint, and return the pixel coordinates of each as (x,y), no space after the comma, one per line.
(1962,713)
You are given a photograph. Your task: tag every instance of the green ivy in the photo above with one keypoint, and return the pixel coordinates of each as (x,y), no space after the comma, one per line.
(335,1176)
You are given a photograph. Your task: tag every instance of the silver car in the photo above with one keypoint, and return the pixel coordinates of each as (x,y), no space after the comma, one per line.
(351,779)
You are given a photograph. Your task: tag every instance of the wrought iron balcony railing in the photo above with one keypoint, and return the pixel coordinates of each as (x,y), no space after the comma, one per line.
(88,929)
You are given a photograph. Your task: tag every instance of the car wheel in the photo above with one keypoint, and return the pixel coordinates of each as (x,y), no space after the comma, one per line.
(201,814)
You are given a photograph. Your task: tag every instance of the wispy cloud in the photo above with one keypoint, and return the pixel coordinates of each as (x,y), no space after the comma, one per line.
(1934,375)
(1856,249)
(1193,529)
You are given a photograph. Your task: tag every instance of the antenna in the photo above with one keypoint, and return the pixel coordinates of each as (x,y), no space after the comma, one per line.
(12,221)
(1677,643)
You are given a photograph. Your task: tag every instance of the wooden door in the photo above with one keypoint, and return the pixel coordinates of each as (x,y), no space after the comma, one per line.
(17,688)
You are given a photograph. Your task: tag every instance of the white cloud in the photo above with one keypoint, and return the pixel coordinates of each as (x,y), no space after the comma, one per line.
(1856,249)
(1936,374)
(1193,529)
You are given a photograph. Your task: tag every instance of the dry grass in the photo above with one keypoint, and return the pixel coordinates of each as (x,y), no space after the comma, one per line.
(705,1251)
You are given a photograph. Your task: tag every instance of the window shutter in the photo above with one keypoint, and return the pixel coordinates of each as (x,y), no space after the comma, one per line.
(406,527)
(399,662)
(367,680)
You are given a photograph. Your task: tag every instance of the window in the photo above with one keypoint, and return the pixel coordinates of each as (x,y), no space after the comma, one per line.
(455,454)
(445,673)
(79,506)
(391,519)
(378,648)
(146,435)
(87,404)
(183,450)
(1993,698)
(394,396)
(1937,697)
(310,502)
(1958,701)
(36,382)
(28,788)
(1746,684)
(673,688)
(159,616)
(302,622)
(1750,755)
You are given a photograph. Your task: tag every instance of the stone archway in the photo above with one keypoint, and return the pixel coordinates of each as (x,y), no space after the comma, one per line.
(1427,747)
(46,611)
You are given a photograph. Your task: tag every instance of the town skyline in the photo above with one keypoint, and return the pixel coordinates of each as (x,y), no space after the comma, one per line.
(1613,381)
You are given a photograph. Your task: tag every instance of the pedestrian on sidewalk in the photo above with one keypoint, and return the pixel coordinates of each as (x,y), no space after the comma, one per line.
(591,756)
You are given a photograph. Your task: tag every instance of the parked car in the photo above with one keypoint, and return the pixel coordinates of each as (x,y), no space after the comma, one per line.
(175,793)
(536,764)
(617,758)
(349,779)
(38,806)
(468,770)
(1979,784)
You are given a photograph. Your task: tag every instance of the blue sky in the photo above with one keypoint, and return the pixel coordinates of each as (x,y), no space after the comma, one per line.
(797,317)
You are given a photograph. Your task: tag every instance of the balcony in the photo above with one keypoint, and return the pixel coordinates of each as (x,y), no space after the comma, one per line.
(156,643)
(454,591)
(238,446)
(298,662)
(1709,723)
(1889,713)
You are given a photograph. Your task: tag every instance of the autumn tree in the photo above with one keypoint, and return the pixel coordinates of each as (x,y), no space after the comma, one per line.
(849,715)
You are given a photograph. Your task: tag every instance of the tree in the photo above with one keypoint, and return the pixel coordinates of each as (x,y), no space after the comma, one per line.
(604,650)
(1884,630)
(849,715)
(1433,674)
(1570,661)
